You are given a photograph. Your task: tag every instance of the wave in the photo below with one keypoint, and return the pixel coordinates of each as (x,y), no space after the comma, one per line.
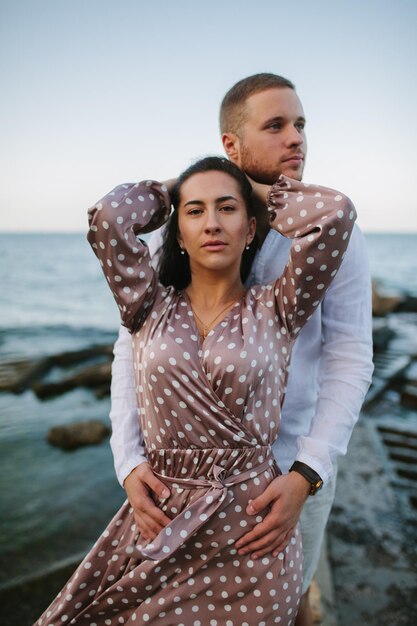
(37,341)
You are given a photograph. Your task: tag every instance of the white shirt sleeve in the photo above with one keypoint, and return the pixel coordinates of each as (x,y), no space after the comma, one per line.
(126,440)
(346,362)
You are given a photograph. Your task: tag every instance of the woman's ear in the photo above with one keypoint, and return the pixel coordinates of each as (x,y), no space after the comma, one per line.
(251,230)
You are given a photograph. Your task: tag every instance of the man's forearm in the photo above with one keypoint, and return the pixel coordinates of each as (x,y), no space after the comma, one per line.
(337,412)
(126,439)
(346,363)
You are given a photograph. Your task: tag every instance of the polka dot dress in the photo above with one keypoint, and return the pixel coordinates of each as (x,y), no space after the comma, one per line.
(209,414)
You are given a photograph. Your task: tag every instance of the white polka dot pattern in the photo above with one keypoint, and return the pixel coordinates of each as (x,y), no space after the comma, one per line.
(209,414)
(115,225)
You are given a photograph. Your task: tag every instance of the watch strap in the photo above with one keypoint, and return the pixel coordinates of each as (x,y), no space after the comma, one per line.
(316,483)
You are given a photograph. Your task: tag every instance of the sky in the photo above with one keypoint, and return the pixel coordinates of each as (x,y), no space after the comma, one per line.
(101,92)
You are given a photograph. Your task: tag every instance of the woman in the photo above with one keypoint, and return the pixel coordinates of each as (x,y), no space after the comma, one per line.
(211,363)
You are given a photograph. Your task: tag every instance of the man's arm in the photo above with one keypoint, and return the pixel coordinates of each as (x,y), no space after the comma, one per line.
(126,439)
(130,462)
(345,374)
(346,364)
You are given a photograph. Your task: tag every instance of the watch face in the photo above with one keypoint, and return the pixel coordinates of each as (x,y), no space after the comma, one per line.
(315,487)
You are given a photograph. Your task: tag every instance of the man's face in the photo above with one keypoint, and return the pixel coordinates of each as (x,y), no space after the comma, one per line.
(272,140)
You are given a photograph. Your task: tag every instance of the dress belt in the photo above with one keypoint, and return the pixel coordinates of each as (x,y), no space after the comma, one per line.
(198,512)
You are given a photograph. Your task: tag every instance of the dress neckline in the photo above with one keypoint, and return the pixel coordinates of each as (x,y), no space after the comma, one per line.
(228,313)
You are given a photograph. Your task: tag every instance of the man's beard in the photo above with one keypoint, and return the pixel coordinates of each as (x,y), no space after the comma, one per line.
(257,170)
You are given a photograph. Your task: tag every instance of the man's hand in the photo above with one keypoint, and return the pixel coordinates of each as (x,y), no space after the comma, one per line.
(259,208)
(149,518)
(286,496)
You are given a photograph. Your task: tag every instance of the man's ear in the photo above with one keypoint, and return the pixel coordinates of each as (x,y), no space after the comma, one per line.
(231,145)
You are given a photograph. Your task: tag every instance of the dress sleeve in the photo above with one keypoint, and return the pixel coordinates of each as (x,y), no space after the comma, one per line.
(319,221)
(115,223)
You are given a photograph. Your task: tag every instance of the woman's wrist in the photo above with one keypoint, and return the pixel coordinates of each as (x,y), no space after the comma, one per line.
(169,184)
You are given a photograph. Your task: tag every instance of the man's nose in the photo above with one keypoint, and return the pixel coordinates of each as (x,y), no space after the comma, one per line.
(294,137)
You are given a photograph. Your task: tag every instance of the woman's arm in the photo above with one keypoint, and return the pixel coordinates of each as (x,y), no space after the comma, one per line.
(115,224)
(319,221)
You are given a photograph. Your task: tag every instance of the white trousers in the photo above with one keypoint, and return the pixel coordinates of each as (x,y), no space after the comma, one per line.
(313,523)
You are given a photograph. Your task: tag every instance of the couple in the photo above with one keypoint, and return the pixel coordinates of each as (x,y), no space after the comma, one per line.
(211,362)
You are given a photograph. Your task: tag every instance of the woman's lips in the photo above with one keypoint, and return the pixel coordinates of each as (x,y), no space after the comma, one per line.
(214,246)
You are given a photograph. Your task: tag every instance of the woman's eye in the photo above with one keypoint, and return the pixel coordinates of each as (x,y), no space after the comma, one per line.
(228,208)
(194,212)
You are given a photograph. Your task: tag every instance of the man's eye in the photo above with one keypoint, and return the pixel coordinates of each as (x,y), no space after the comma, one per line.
(275,126)
(300,126)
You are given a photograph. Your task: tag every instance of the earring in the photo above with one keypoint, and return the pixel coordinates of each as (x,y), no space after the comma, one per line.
(247,247)
(182,251)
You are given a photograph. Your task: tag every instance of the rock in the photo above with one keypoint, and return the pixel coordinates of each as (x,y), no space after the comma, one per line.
(389,368)
(48,390)
(383,303)
(72,436)
(102,392)
(17,375)
(78,356)
(371,540)
(93,376)
(382,334)
(409,397)
(315,602)
(408,304)
(411,374)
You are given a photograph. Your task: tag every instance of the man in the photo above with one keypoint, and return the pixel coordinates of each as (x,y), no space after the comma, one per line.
(262,125)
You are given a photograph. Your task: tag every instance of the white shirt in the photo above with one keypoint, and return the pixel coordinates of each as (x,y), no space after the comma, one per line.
(331,368)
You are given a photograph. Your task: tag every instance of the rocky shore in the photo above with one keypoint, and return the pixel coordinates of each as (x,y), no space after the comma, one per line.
(53,375)
(370,574)
(372,531)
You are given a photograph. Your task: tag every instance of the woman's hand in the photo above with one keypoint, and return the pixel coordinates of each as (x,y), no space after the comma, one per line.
(169,184)
(139,485)
(260,191)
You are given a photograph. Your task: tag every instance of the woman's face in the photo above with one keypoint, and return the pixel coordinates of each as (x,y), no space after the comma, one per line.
(213,224)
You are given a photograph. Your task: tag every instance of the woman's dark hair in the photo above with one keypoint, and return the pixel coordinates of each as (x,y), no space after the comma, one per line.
(174,267)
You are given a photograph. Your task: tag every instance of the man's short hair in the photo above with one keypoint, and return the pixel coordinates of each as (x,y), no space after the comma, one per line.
(232,108)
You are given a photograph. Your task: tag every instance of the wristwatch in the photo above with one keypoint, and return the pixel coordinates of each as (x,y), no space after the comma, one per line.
(309,474)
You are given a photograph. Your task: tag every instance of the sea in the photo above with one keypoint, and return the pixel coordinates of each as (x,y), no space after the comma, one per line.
(53,299)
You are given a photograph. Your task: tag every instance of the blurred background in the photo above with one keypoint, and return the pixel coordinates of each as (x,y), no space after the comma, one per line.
(100,92)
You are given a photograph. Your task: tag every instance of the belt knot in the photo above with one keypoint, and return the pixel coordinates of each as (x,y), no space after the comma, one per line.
(192,517)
